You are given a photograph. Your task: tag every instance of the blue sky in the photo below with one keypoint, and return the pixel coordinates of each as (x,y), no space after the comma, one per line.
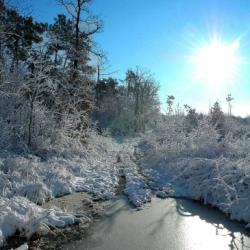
(161,35)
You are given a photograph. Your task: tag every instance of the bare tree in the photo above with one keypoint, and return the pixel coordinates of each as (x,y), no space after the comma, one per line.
(38,84)
(143,90)
(84,28)
(103,68)
(170,102)
(229,100)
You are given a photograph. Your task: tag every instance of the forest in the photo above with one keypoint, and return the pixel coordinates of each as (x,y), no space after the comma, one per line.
(68,126)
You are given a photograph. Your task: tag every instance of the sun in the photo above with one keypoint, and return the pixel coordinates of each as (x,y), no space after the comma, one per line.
(215,64)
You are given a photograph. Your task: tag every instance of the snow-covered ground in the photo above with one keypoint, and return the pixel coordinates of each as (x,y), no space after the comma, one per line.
(39,180)
(29,181)
(196,165)
(136,187)
(18,214)
(199,166)
(42,179)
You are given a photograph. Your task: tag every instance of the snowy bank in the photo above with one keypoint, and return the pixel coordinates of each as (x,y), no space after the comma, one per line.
(42,179)
(27,180)
(136,188)
(20,215)
(199,166)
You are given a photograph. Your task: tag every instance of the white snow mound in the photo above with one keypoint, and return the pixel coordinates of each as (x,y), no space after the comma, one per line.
(18,214)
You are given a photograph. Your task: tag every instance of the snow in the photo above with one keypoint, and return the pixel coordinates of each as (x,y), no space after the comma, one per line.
(40,180)
(30,180)
(18,214)
(27,180)
(200,167)
(23,247)
(167,160)
(161,194)
(136,188)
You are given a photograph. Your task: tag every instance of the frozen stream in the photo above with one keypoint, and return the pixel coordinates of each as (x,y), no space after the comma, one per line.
(164,224)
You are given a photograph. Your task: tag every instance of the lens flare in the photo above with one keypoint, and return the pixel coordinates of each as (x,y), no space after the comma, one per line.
(215,64)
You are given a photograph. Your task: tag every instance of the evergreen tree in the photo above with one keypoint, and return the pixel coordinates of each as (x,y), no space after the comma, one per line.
(21,32)
(105,88)
(61,33)
(217,118)
(191,119)
(78,94)
(108,101)
(170,102)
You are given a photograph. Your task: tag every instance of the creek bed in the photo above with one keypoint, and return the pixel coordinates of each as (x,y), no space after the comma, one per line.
(163,224)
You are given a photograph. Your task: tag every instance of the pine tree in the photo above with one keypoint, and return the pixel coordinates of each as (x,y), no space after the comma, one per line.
(191,119)
(170,102)
(61,33)
(78,87)
(22,33)
(217,118)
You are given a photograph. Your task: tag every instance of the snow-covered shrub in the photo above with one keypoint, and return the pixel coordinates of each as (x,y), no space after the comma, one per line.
(37,192)
(40,179)
(122,125)
(203,141)
(172,140)
(22,120)
(201,165)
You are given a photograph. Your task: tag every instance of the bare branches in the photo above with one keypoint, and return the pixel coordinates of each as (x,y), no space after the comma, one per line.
(84,27)
(74,6)
(45,72)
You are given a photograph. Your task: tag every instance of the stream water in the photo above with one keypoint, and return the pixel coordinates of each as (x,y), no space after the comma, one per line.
(164,224)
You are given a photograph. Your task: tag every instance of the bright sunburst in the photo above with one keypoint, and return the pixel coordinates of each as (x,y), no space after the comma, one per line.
(216,64)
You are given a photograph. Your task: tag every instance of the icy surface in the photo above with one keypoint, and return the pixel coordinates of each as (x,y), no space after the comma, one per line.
(173,163)
(200,167)
(29,180)
(23,247)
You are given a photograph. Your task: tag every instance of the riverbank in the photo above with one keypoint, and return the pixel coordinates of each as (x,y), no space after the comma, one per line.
(97,173)
(199,166)
(81,205)
(28,181)
(69,188)
(163,224)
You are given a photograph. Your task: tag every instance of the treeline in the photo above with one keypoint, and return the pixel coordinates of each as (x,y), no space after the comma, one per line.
(128,107)
(49,89)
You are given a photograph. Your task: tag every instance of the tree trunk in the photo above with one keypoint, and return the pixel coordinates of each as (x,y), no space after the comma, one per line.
(77,31)
(2,23)
(31,120)
(98,73)
(137,113)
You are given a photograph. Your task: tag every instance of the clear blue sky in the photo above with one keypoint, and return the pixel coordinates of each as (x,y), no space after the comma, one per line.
(160,35)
